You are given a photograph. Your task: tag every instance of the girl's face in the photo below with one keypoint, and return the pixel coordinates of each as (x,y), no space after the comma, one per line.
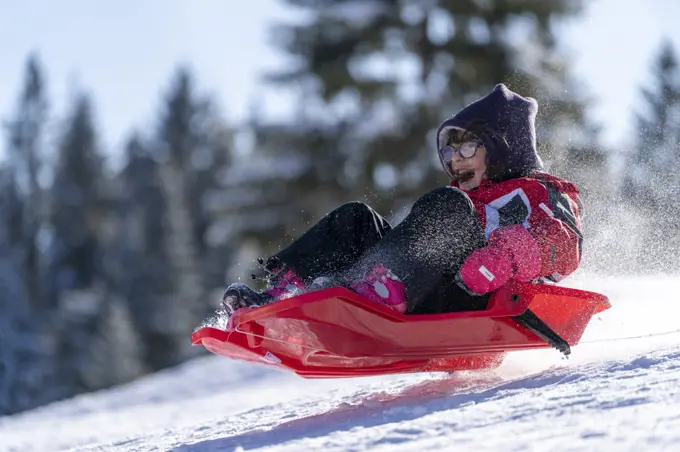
(465,155)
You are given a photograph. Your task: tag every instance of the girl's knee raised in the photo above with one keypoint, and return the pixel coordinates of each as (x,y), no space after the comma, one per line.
(445,199)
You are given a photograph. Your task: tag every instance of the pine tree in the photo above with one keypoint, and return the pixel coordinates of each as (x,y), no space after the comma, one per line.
(26,366)
(191,146)
(651,182)
(26,153)
(142,271)
(76,204)
(175,177)
(375,79)
(88,319)
(658,137)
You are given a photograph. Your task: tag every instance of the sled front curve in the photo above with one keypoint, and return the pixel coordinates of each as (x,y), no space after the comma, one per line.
(337,333)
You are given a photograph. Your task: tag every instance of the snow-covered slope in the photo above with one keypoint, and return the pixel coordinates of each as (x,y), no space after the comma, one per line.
(610,395)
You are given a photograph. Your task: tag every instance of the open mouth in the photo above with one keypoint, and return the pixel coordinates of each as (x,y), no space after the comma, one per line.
(463,175)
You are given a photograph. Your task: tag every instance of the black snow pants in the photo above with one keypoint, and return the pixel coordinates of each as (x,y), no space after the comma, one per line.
(425,250)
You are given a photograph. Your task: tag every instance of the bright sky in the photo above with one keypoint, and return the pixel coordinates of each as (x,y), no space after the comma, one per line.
(124,53)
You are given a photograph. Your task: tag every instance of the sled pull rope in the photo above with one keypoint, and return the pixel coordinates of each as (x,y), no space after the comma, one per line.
(628,338)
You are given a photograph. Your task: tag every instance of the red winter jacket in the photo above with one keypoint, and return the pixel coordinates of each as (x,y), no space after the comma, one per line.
(548,207)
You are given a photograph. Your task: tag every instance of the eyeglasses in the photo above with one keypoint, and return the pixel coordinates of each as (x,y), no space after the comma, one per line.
(466,149)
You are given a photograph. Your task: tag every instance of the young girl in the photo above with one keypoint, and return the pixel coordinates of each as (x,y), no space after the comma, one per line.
(501,218)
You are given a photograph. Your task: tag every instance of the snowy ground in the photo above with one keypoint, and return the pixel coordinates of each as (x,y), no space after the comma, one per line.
(611,394)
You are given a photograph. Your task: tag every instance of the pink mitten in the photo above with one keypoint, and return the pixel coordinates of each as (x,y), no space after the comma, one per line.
(511,253)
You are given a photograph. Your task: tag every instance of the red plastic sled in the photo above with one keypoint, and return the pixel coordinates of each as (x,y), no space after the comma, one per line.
(338,333)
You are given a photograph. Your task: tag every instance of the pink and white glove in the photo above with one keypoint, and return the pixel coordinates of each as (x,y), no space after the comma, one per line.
(511,252)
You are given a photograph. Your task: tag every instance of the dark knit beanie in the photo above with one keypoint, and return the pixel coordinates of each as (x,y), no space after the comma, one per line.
(506,124)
